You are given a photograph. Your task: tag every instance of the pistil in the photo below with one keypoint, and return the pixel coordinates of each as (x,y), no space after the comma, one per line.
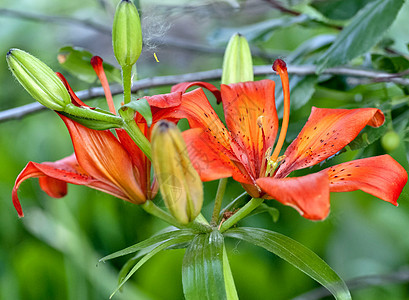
(96,63)
(281,68)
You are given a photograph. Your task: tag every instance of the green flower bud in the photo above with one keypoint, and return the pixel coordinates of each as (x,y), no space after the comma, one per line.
(38,79)
(179,183)
(390,141)
(237,61)
(127,34)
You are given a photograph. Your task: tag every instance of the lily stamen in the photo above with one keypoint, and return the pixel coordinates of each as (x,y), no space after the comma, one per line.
(281,68)
(272,165)
(96,63)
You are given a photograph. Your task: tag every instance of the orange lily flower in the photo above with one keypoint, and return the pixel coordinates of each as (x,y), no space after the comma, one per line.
(244,150)
(114,165)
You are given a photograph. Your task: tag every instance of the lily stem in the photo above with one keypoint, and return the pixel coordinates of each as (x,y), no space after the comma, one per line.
(218,200)
(243,212)
(138,137)
(127,83)
(156,211)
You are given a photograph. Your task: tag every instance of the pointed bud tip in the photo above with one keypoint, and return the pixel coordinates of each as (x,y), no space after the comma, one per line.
(9,52)
(164,126)
(279,64)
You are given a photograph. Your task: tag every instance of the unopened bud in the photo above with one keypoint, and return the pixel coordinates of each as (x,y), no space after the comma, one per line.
(38,79)
(390,141)
(179,182)
(237,61)
(127,34)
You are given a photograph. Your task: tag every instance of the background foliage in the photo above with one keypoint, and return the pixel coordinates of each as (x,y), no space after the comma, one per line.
(52,253)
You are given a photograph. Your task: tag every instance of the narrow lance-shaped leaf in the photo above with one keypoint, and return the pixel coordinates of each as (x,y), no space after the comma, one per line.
(296,254)
(365,30)
(202,269)
(160,247)
(149,242)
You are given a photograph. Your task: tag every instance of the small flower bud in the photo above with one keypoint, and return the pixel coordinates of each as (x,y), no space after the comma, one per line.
(390,141)
(237,61)
(127,34)
(38,79)
(179,183)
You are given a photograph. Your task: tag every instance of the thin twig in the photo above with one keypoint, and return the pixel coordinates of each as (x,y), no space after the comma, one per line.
(54,19)
(400,276)
(282,8)
(18,112)
(167,41)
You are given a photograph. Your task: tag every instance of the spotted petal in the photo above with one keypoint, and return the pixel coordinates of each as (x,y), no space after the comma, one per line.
(54,176)
(380,176)
(251,117)
(326,132)
(208,158)
(309,194)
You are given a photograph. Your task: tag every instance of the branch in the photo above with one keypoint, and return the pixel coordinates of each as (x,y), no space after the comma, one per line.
(168,41)
(362,282)
(54,19)
(21,111)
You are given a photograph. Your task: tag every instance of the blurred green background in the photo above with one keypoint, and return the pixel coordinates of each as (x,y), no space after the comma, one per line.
(53,252)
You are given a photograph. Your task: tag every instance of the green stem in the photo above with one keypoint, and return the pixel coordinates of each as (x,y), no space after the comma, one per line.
(156,211)
(198,226)
(127,83)
(243,212)
(138,137)
(90,114)
(233,204)
(218,200)
(151,208)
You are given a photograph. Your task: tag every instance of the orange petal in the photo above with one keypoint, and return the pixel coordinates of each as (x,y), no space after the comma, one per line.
(208,158)
(251,117)
(200,114)
(54,177)
(140,161)
(101,155)
(309,194)
(184,86)
(75,100)
(326,132)
(380,176)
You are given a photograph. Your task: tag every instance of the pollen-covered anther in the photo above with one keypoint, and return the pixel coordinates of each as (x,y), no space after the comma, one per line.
(272,165)
(260,121)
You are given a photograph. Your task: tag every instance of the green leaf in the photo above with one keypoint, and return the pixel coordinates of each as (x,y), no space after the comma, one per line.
(254,31)
(231,292)
(76,60)
(160,247)
(142,107)
(296,254)
(302,89)
(365,30)
(316,15)
(392,64)
(202,268)
(149,242)
(272,211)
